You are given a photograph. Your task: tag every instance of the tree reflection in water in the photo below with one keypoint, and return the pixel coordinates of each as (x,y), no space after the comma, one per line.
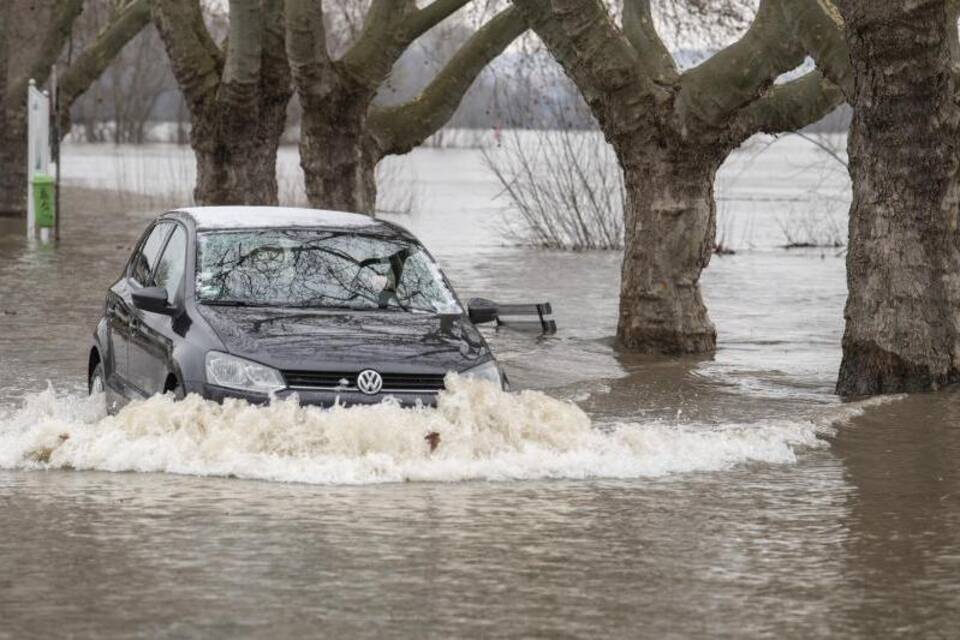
(310,268)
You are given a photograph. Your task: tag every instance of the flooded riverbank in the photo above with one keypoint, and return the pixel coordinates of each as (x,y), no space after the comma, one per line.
(623,496)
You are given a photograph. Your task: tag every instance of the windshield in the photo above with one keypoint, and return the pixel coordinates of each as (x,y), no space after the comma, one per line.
(310,268)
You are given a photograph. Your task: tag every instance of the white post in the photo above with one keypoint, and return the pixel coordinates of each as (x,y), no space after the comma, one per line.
(38,147)
(31,161)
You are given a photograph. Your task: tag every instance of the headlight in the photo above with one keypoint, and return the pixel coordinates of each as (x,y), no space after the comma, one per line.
(487,371)
(232,372)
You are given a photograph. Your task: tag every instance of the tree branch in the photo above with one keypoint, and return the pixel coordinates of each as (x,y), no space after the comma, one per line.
(818,27)
(246,44)
(194,57)
(65,14)
(400,128)
(598,57)
(642,33)
(790,106)
(275,70)
(307,46)
(93,61)
(390,28)
(740,73)
(419,22)
(372,55)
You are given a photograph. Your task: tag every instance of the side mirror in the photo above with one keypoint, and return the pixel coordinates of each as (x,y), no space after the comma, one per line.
(153,299)
(482,310)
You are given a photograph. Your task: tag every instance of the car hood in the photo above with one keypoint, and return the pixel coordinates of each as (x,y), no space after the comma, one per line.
(346,341)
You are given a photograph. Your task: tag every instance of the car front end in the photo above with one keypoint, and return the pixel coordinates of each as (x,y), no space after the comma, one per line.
(230,376)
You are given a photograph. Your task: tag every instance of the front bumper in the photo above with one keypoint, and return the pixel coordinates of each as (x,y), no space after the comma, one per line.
(318,398)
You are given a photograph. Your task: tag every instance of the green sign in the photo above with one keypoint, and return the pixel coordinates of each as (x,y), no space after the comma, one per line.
(44,201)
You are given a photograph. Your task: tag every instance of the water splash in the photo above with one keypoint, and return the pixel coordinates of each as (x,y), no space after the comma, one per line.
(485,435)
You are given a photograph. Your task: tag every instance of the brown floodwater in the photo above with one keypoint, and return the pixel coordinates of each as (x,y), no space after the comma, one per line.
(622,496)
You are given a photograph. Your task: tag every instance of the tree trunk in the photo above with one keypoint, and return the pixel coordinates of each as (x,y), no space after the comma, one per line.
(237,156)
(903,267)
(13,160)
(670,225)
(338,157)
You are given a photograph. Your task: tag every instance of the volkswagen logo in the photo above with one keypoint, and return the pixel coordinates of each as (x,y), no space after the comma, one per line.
(370,382)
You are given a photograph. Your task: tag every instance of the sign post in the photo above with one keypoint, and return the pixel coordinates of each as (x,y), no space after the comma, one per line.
(38,160)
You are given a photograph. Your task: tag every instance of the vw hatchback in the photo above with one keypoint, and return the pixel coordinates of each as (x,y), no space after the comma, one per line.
(250,302)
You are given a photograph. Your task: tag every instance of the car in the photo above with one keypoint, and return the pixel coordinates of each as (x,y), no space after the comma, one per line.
(262,302)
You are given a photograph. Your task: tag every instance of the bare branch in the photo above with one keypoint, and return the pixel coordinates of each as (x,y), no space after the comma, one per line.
(194,56)
(93,61)
(371,56)
(419,22)
(307,45)
(390,27)
(246,43)
(400,128)
(790,106)
(598,57)
(818,27)
(275,69)
(830,150)
(740,73)
(64,15)
(641,31)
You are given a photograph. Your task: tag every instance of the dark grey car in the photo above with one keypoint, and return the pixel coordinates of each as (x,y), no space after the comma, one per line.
(250,302)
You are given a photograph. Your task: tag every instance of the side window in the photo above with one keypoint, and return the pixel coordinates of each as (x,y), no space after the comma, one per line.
(173,263)
(146,258)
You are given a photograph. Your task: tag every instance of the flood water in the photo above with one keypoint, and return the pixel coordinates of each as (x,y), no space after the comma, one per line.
(619,496)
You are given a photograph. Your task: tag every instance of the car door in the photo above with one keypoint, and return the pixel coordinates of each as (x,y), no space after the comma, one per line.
(118,333)
(151,343)
(125,317)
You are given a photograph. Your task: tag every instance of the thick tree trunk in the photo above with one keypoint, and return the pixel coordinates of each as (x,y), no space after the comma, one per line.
(13,160)
(338,157)
(670,225)
(903,267)
(237,156)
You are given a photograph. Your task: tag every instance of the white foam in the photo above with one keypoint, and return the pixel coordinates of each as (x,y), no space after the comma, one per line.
(485,435)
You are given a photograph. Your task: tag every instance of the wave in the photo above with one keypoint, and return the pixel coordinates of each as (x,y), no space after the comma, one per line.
(485,434)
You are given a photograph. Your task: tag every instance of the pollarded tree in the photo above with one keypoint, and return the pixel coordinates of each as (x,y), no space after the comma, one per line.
(672,130)
(237,95)
(344,135)
(903,265)
(32,37)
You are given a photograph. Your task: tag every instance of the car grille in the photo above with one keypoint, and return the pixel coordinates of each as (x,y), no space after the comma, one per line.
(347,381)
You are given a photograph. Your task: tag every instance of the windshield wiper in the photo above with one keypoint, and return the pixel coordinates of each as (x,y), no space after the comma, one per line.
(235,303)
(330,307)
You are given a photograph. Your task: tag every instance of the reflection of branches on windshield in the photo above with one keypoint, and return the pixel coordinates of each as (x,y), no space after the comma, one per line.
(333,269)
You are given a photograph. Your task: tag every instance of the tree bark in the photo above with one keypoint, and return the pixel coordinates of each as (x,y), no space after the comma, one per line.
(903,266)
(13,159)
(670,226)
(237,99)
(236,153)
(338,157)
(13,175)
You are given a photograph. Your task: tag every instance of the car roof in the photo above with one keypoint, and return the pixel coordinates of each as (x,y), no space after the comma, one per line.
(243,217)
